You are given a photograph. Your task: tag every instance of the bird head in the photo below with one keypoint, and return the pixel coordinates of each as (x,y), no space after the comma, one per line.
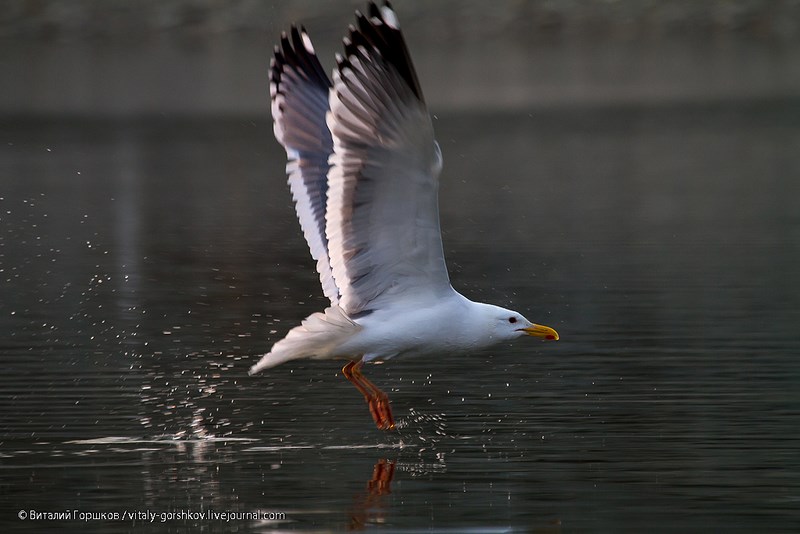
(509,324)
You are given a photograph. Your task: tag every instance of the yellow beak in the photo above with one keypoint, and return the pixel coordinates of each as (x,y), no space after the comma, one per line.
(544,332)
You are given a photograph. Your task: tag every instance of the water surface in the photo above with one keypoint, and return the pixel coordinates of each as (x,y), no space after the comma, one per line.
(144,264)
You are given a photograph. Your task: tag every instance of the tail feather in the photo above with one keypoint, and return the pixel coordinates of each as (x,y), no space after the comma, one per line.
(317,336)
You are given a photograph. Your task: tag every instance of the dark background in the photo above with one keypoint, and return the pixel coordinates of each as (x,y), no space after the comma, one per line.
(626,172)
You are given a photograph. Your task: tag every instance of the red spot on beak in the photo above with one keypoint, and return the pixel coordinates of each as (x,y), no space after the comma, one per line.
(550,336)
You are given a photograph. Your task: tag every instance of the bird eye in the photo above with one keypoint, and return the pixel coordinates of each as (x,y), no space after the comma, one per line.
(512,320)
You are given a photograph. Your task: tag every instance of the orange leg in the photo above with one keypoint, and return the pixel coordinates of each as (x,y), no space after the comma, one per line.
(377,400)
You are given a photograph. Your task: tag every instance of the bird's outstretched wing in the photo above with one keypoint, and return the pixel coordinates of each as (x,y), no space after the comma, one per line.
(299,91)
(382,212)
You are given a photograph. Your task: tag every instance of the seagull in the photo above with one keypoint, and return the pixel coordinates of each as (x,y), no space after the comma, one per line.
(363,169)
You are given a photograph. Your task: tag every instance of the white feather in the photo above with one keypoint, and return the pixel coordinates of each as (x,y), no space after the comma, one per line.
(364,173)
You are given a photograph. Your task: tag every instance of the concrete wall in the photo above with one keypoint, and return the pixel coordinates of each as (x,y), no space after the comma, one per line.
(209,57)
(117,19)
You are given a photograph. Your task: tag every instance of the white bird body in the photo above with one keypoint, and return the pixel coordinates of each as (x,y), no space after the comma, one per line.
(364,174)
(413,327)
(416,329)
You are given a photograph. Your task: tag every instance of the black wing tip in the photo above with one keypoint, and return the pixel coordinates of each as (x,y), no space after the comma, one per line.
(381,31)
(295,52)
(375,11)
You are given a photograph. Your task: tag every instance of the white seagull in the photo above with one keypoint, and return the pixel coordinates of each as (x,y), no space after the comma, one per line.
(363,169)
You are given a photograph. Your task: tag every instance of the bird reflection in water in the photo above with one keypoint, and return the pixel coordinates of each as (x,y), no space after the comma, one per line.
(369,506)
